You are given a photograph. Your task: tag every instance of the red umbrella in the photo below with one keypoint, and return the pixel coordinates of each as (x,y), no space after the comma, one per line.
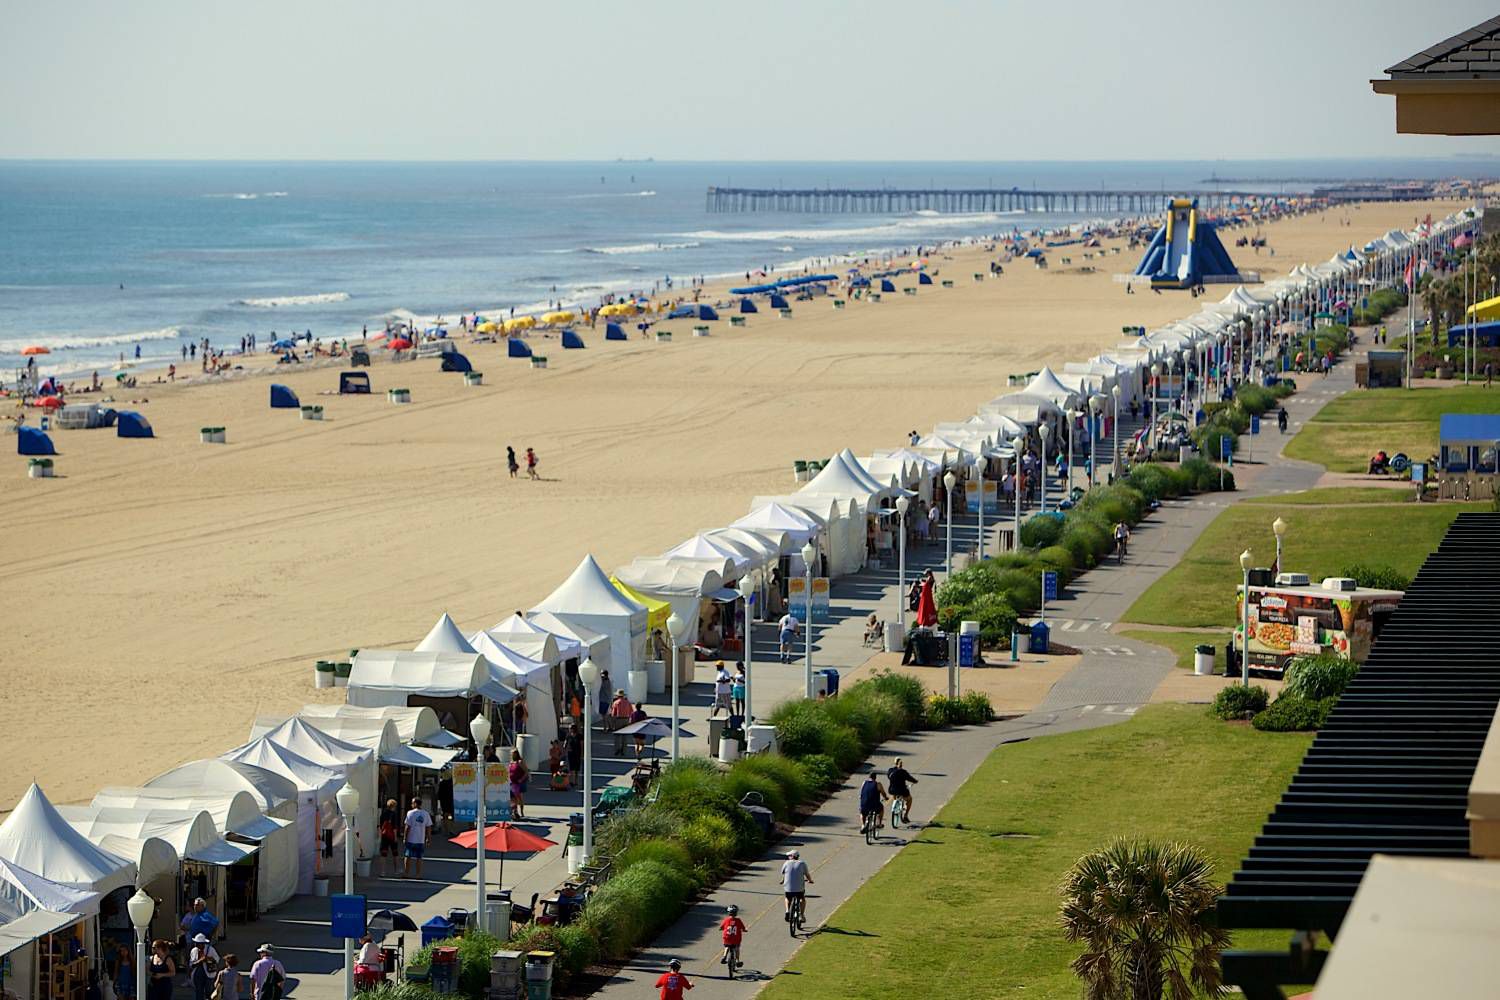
(926,606)
(399,344)
(35,350)
(504,838)
(51,402)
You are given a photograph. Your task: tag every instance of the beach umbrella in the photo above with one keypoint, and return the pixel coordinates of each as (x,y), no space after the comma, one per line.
(399,344)
(383,922)
(505,838)
(36,349)
(50,402)
(926,606)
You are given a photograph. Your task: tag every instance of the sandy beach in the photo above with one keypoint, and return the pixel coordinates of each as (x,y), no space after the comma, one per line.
(164,592)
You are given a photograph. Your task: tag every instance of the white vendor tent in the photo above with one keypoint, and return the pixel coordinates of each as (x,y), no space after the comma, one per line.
(374,733)
(392,676)
(1047,385)
(316,786)
(700,546)
(36,837)
(527,637)
(774,516)
(681,583)
(414,724)
(158,870)
(765,545)
(533,678)
(236,816)
(587,598)
(23,891)
(274,794)
(839,479)
(444,637)
(595,643)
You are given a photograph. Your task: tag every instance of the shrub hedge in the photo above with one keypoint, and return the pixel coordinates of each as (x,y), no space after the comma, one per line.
(1294,714)
(1376,577)
(1238,702)
(1318,677)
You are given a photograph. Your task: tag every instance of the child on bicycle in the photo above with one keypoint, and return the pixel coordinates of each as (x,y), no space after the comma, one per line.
(731,932)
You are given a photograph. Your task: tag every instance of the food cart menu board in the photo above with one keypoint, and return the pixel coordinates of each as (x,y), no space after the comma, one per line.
(1290,622)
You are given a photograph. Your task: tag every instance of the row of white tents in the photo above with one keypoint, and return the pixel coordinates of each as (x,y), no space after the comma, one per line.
(267,804)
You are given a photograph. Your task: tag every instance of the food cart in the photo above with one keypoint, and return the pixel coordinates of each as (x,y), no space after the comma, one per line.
(1294,617)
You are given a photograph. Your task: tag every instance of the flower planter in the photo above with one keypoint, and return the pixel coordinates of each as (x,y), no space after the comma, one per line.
(312,413)
(785,313)
(398,395)
(473,378)
(700,331)
(839,303)
(539,361)
(323,674)
(341,674)
(663,336)
(736,321)
(909,291)
(978,276)
(39,468)
(947,283)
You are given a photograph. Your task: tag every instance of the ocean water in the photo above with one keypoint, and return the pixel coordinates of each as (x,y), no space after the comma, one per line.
(101,257)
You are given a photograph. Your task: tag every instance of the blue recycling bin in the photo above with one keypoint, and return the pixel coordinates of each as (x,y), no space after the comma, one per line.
(436,929)
(1039,633)
(833,680)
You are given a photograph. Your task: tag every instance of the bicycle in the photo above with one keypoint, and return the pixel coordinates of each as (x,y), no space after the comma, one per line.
(898,811)
(732,959)
(796,916)
(870,828)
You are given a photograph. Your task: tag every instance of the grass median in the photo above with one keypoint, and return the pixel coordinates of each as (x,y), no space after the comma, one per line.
(1350,429)
(973,901)
(1320,541)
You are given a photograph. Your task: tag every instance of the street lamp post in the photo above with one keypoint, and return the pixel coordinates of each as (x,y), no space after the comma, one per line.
(1279,527)
(1245,559)
(1155,389)
(979,485)
(1187,360)
(747,591)
(1018,446)
(348,803)
(141,907)
(479,729)
(1096,403)
(588,674)
(949,481)
(902,504)
(1072,429)
(1115,392)
(675,626)
(1042,433)
(809,553)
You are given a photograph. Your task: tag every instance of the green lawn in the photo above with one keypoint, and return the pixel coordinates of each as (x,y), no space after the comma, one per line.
(1340,495)
(972,904)
(1320,541)
(1350,429)
(1182,644)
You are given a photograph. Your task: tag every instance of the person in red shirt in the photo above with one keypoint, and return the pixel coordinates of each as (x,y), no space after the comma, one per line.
(673,982)
(732,931)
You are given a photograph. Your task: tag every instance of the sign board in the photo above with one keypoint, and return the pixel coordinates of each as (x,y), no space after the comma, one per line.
(991,489)
(1419,472)
(796,598)
(967,646)
(466,792)
(346,915)
(1049,585)
(1254,423)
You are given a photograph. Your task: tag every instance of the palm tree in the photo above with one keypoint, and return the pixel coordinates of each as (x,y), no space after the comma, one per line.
(1143,913)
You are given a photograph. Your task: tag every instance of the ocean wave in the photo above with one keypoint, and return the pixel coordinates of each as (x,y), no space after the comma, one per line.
(247,195)
(293,300)
(641,248)
(613,194)
(81,341)
(903,226)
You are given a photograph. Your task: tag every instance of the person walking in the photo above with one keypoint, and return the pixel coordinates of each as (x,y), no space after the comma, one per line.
(203,964)
(161,971)
(620,710)
(267,975)
(723,684)
(1489,373)
(124,977)
(388,825)
(531,464)
(418,827)
(510,461)
(787,629)
(518,778)
(737,690)
(227,982)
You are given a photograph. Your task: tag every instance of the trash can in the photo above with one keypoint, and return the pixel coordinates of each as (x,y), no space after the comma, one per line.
(1039,635)
(1203,659)
(759,813)
(832,682)
(715,732)
(895,637)
(497,917)
(436,929)
(1021,638)
(656,676)
(531,750)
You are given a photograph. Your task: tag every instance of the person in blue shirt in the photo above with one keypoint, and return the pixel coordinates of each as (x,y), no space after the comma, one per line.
(872,800)
(199,921)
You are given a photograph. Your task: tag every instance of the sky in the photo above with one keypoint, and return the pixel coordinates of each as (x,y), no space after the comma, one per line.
(992,80)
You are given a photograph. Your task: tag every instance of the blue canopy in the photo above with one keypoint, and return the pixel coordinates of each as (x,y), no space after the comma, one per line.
(130,424)
(747,306)
(886,285)
(810,279)
(682,312)
(1465,429)
(778,302)
(1034,252)
(515,347)
(614,331)
(283,398)
(31,441)
(455,362)
(1485,334)
(571,340)
(924,279)
(285,344)
(707,312)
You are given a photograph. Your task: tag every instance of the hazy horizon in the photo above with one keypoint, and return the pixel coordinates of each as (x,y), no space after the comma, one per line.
(468,81)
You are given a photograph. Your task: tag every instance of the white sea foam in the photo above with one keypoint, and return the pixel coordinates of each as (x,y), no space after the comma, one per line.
(293,300)
(614,194)
(81,341)
(641,248)
(904,227)
(246,195)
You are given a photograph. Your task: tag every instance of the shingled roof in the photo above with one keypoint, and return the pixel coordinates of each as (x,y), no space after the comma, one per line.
(1472,54)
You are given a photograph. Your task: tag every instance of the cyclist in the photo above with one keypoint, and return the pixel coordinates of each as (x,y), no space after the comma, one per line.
(1122,539)
(872,800)
(795,878)
(732,932)
(672,983)
(898,782)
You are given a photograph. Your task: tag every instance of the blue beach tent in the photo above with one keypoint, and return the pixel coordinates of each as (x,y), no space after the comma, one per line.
(614,331)
(779,302)
(285,344)
(31,441)
(283,398)
(455,362)
(747,306)
(886,285)
(924,279)
(571,340)
(683,312)
(130,424)
(707,312)
(517,348)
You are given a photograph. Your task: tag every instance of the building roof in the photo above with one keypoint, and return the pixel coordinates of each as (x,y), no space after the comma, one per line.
(1468,54)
